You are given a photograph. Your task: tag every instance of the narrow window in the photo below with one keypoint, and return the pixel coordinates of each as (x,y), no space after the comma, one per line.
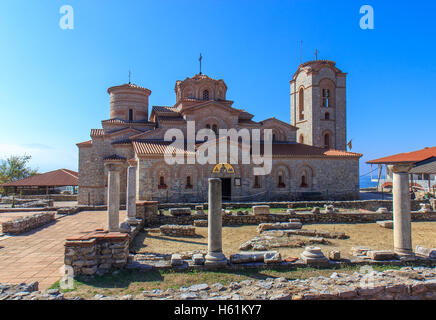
(256,182)
(281,182)
(325,97)
(327,141)
(303,181)
(162,181)
(206,95)
(208,126)
(327,116)
(301,140)
(188,182)
(130,114)
(301,104)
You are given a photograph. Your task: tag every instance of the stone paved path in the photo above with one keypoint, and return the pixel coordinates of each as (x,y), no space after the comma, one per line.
(38,255)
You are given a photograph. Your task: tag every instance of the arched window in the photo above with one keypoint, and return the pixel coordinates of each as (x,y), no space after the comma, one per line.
(215,128)
(206,95)
(325,98)
(327,141)
(208,126)
(303,181)
(301,104)
(301,139)
(130,114)
(274,137)
(327,116)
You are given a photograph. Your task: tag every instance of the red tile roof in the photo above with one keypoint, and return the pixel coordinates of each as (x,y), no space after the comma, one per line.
(85,144)
(57,178)
(165,109)
(298,149)
(407,157)
(97,132)
(150,147)
(121,121)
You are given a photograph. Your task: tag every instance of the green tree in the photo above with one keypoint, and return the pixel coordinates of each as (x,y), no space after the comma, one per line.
(16,168)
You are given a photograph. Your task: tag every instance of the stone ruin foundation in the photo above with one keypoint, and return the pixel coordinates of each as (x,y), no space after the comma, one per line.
(99,251)
(177,231)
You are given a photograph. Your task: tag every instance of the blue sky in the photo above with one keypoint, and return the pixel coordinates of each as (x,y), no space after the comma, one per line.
(53,82)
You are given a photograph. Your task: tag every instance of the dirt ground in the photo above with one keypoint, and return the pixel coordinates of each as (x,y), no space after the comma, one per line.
(368,235)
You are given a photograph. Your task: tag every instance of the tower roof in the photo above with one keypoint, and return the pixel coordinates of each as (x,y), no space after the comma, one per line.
(315,66)
(129,86)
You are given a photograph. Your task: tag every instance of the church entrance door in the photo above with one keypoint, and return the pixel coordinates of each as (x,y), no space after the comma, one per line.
(227,189)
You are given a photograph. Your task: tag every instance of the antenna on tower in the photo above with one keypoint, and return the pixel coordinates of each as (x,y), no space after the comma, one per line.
(316,54)
(130,74)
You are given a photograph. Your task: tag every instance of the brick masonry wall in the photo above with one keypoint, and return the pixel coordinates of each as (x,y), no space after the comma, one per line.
(336,179)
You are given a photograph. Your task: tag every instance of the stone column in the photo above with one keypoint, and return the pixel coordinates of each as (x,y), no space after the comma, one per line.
(131,193)
(215,256)
(402,220)
(113,197)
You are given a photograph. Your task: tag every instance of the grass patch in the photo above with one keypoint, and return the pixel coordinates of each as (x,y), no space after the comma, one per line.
(134,282)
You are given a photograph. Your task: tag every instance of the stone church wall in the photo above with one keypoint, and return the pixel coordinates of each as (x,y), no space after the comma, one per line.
(335,179)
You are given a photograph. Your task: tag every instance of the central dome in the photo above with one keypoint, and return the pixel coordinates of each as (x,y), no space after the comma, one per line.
(201,87)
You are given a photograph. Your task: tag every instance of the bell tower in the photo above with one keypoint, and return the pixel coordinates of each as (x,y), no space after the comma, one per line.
(318,105)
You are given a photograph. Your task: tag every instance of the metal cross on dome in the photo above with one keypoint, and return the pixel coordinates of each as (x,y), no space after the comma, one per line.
(199,59)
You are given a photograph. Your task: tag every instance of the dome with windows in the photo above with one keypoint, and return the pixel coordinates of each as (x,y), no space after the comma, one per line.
(201,87)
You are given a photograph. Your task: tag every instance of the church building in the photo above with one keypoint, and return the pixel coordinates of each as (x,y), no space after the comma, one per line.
(309,156)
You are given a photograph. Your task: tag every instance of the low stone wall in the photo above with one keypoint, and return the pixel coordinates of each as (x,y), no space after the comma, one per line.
(154,220)
(26,209)
(54,197)
(200,223)
(177,231)
(26,224)
(97,252)
(371,205)
(28,203)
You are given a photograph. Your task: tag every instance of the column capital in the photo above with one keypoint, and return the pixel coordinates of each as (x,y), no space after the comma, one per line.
(113,165)
(132,162)
(400,168)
